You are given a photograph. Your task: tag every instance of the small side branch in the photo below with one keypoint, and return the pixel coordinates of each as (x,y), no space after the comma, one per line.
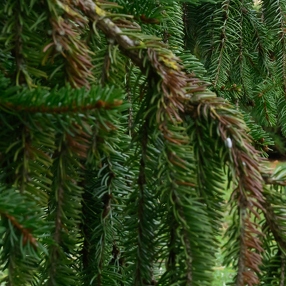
(27,235)
(271,181)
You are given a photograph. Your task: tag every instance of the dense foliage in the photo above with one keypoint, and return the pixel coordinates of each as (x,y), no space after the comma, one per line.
(115,150)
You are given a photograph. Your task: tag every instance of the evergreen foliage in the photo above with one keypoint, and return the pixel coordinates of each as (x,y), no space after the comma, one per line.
(122,122)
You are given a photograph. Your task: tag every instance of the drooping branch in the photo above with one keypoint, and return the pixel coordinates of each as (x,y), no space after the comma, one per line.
(141,207)
(65,202)
(66,41)
(273,223)
(112,31)
(273,205)
(151,56)
(244,162)
(175,88)
(282,277)
(18,51)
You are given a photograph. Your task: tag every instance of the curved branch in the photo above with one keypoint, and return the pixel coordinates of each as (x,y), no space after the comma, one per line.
(245,165)
(112,31)
(156,59)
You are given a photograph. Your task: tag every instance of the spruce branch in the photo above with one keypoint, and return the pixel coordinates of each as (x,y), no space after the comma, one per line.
(18,51)
(22,75)
(283,269)
(220,65)
(272,220)
(173,97)
(112,31)
(105,222)
(278,25)
(162,68)
(22,230)
(175,84)
(248,194)
(65,202)
(27,235)
(104,192)
(269,180)
(16,32)
(144,268)
(66,41)
(150,56)
(274,205)
(100,104)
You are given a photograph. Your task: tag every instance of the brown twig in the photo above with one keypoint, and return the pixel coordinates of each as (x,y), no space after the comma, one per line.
(27,235)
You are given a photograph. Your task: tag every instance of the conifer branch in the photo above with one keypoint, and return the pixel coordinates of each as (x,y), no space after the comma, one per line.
(139,276)
(71,150)
(58,227)
(161,67)
(173,85)
(27,235)
(112,31)
(268,180)
(172,255)
(283,269)
(272,223)
(222,46)
(155,60)
(282,41)
(23,178)
(106,215)
(18,51)
(66,41)
(248,194)
(169,194)
(61,109)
